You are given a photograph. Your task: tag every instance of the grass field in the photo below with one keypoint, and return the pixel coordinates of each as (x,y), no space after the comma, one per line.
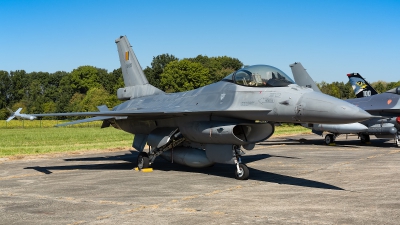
(54,140)
(30,140)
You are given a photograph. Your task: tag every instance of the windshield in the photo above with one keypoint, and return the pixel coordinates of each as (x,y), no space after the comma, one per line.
(260,76)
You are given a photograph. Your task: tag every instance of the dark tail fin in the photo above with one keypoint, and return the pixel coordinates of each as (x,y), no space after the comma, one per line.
(360,86)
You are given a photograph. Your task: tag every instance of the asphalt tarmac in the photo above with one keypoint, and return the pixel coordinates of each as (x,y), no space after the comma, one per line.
(293,180)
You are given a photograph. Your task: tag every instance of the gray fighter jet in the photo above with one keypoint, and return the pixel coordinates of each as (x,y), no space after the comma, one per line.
(384,124)
(214,123)
(386,105)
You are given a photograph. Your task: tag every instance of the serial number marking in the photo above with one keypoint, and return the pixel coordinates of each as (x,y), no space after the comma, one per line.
(247,103)
(266,100)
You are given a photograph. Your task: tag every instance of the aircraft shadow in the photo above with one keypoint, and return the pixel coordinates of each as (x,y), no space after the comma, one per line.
(352,143)
(221,170)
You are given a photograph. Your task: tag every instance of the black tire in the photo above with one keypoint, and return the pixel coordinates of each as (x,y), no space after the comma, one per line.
(364,138)
(244,172)
(143,160)
(329,139)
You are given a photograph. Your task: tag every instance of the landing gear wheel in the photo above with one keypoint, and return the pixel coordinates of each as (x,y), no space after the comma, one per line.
(398,142)
(364,138)
(143,160)
(242,173)
(329,139)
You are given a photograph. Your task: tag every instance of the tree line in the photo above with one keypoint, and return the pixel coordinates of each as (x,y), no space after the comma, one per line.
(86,87)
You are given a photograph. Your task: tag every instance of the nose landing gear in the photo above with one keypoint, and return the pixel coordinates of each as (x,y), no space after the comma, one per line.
(242,171)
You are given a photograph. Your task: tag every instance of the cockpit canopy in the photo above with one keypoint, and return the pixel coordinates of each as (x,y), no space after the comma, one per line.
(395,90)
(259,76)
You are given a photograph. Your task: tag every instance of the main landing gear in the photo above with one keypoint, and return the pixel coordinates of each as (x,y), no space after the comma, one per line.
(364,138)
(330,139)
(143,160)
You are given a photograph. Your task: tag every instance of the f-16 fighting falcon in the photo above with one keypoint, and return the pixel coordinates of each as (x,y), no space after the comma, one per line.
(214,123)
(381,127)
(386,105)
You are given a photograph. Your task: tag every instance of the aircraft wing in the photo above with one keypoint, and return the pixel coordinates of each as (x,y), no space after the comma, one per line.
(97,118)
(155,114)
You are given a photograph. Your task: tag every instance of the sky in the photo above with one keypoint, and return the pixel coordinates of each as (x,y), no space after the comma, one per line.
(329,38)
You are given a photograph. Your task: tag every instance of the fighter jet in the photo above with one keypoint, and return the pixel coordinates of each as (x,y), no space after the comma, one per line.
(384,124)
(214,123)
(386,105)
(18,115)
(303,79)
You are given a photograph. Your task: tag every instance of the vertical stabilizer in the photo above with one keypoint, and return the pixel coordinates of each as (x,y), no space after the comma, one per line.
(360,86)
(131,69)
(136,84)
(302,78)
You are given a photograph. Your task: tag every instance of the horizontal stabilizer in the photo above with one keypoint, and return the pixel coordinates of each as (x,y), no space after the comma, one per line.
(103,108)
(127,93)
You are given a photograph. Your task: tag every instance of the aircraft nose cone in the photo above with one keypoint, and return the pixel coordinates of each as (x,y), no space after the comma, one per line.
(351,111)
(316,107)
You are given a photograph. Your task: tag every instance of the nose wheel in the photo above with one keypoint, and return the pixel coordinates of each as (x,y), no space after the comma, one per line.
(242,171)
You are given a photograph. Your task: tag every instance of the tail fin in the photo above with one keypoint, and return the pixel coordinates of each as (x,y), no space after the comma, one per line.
(302,78)
(136,84)
(360,86)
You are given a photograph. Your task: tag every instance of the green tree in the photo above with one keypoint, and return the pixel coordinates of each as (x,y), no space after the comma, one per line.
(95,97)
(19,82)
(5,88)
(158,65)
(184,75)
(4,114)
(84,78)
(118,81)
(219,67)
(34,97)
(64,93)
(379,86)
